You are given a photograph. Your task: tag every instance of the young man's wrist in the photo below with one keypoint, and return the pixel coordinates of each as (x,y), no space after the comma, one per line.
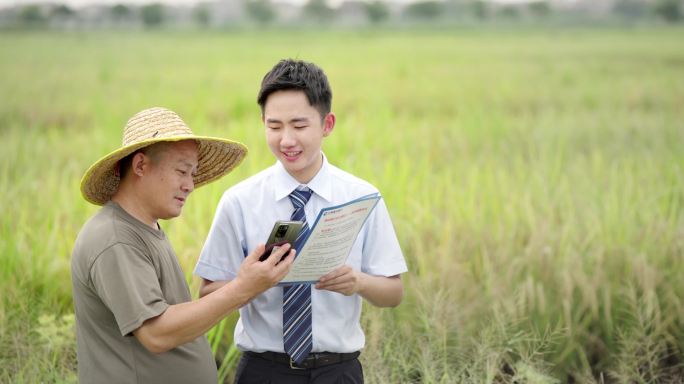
(362,283)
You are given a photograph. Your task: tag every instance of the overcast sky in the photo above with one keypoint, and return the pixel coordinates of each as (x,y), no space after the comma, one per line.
(77,3)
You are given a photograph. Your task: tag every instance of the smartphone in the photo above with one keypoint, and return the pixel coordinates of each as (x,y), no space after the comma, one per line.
(283,232)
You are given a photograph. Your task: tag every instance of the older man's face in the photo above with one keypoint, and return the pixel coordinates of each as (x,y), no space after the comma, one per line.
(169,181)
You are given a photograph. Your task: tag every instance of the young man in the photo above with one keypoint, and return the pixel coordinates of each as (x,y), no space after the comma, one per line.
(135,320)
(301,333)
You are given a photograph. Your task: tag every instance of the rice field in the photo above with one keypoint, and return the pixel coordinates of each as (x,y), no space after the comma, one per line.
(534,178)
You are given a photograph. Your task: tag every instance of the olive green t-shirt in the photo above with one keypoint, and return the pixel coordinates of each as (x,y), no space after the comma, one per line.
(123,273)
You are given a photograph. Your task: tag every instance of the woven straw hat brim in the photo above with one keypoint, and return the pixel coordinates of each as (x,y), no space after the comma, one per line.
(216,158)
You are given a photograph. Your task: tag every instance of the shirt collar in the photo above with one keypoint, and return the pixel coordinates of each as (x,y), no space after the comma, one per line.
(284,183)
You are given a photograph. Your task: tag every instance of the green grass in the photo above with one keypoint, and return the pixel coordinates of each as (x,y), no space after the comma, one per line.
(534,178)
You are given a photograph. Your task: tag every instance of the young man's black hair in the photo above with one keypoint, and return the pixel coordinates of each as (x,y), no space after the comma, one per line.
(291,74)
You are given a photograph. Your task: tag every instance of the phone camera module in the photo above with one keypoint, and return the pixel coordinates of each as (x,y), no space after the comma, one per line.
(282,230)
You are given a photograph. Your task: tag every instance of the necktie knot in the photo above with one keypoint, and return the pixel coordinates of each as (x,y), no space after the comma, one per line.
(299,197)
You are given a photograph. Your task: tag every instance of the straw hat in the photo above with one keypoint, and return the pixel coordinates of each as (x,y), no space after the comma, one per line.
(216,157)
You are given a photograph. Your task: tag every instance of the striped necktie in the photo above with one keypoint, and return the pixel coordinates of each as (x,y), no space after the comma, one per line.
(297,322)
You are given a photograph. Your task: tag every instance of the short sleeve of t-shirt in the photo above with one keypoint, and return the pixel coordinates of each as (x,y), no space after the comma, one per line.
(126,281)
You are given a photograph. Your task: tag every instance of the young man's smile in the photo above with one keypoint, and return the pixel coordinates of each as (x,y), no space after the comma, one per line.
(291,155)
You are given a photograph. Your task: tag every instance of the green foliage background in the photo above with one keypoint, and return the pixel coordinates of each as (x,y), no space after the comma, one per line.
(534,178)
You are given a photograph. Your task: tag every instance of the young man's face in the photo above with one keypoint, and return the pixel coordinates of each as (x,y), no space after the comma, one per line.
(168,180)
(295,132)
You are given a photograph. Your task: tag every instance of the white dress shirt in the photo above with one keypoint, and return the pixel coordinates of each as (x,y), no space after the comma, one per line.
(244,218)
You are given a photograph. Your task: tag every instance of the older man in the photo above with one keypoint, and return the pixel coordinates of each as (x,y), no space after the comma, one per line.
(136,322)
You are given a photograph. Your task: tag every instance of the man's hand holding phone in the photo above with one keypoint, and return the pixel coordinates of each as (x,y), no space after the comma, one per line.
(267,265)
(256,276)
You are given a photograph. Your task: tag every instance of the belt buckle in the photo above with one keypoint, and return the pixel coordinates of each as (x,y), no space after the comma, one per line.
(294,366)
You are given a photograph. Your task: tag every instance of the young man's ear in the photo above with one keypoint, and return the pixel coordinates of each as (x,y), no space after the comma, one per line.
(328,124)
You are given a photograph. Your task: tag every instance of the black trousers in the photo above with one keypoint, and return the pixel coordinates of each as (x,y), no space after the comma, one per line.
(256,370)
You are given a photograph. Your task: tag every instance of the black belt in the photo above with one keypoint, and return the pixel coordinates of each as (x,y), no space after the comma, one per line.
(314,360)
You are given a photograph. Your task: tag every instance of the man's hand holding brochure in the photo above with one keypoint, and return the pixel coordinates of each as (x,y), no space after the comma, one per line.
(330,239)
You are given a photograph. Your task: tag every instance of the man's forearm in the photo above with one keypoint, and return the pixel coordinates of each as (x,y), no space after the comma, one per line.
(208,286)
(184,322)
(382,291)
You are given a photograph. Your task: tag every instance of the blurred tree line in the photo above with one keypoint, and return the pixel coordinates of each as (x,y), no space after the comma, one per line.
(230,13)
